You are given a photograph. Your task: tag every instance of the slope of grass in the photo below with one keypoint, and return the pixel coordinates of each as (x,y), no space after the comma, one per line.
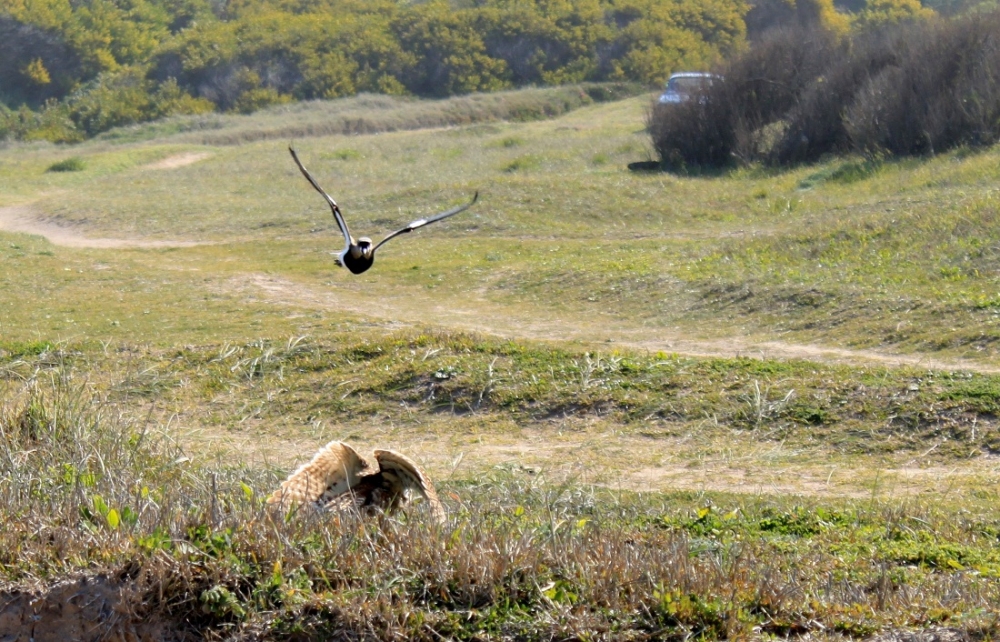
(403,377)
(851,254)
(654,421)
(372,114)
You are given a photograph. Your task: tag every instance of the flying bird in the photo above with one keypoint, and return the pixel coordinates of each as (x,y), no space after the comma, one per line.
(358,255)
(339,478)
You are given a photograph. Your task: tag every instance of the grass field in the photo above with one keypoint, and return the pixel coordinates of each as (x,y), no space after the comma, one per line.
(769,397)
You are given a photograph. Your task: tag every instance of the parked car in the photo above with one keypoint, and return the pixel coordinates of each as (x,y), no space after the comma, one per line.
(683,85)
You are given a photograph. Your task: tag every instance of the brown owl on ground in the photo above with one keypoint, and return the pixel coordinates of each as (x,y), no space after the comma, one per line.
(338,478)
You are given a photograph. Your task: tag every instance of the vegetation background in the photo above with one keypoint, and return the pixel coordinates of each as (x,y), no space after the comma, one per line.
(71,70)
(80,68)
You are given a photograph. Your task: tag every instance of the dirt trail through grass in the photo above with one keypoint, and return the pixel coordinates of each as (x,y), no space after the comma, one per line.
(178,160)
(27,220)
(475,313)
(603,455)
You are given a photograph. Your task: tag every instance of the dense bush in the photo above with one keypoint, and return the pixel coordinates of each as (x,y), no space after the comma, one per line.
(766,15)
(761,86)
(941,91)
(900,89)
(815,124)
(125,98)
(38,64)
(700,133)
(435,49)
(51,123)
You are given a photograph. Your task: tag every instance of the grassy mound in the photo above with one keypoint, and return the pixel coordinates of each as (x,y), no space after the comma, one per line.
(372,114)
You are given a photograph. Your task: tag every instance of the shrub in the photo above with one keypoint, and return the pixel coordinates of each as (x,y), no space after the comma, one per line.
(6,123)
(24,47)
(126,98)
(72,164)
(693,133)
(760,87)
(766,15)
(899,89)
(815,125)
(51,123)
(942,92)
(877,12)
(765,83)
(450,56)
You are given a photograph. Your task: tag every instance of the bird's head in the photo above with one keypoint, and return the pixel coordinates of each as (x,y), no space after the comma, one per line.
(364,247)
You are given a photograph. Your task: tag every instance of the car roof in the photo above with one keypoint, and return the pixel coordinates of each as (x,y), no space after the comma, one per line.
(692,74)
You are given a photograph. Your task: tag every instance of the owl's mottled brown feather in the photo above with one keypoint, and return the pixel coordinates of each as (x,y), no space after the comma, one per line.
(331,472)
(407,476)
(338,478)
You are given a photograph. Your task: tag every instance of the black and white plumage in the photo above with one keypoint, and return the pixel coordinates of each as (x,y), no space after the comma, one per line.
(358,255)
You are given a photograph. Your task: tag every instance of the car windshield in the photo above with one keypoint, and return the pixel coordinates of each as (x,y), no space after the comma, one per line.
(688,84)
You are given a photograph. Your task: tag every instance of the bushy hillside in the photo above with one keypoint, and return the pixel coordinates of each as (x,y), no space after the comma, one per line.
(73,69)
(83,67)
(901,89)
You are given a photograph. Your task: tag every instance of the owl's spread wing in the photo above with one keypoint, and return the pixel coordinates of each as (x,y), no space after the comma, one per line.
(331,472)
(401,470)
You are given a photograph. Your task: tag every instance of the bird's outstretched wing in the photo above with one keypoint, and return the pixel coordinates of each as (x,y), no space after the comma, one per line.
(427,221)
(410,477)
(332,471)
(341,223)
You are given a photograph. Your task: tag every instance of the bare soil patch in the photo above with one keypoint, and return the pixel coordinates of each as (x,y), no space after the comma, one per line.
(178,160)
(26,220)
(82,610)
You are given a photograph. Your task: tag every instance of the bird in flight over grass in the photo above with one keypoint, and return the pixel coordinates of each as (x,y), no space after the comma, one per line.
(358,255)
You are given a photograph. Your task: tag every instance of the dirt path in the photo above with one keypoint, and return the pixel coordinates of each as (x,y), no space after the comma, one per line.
(481,316)
(25,219)
(477,314)
(178,160)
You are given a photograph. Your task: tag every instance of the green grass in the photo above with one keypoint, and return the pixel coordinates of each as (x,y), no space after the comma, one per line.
(895,257)
(403,376)
(768,397)
(72,164)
